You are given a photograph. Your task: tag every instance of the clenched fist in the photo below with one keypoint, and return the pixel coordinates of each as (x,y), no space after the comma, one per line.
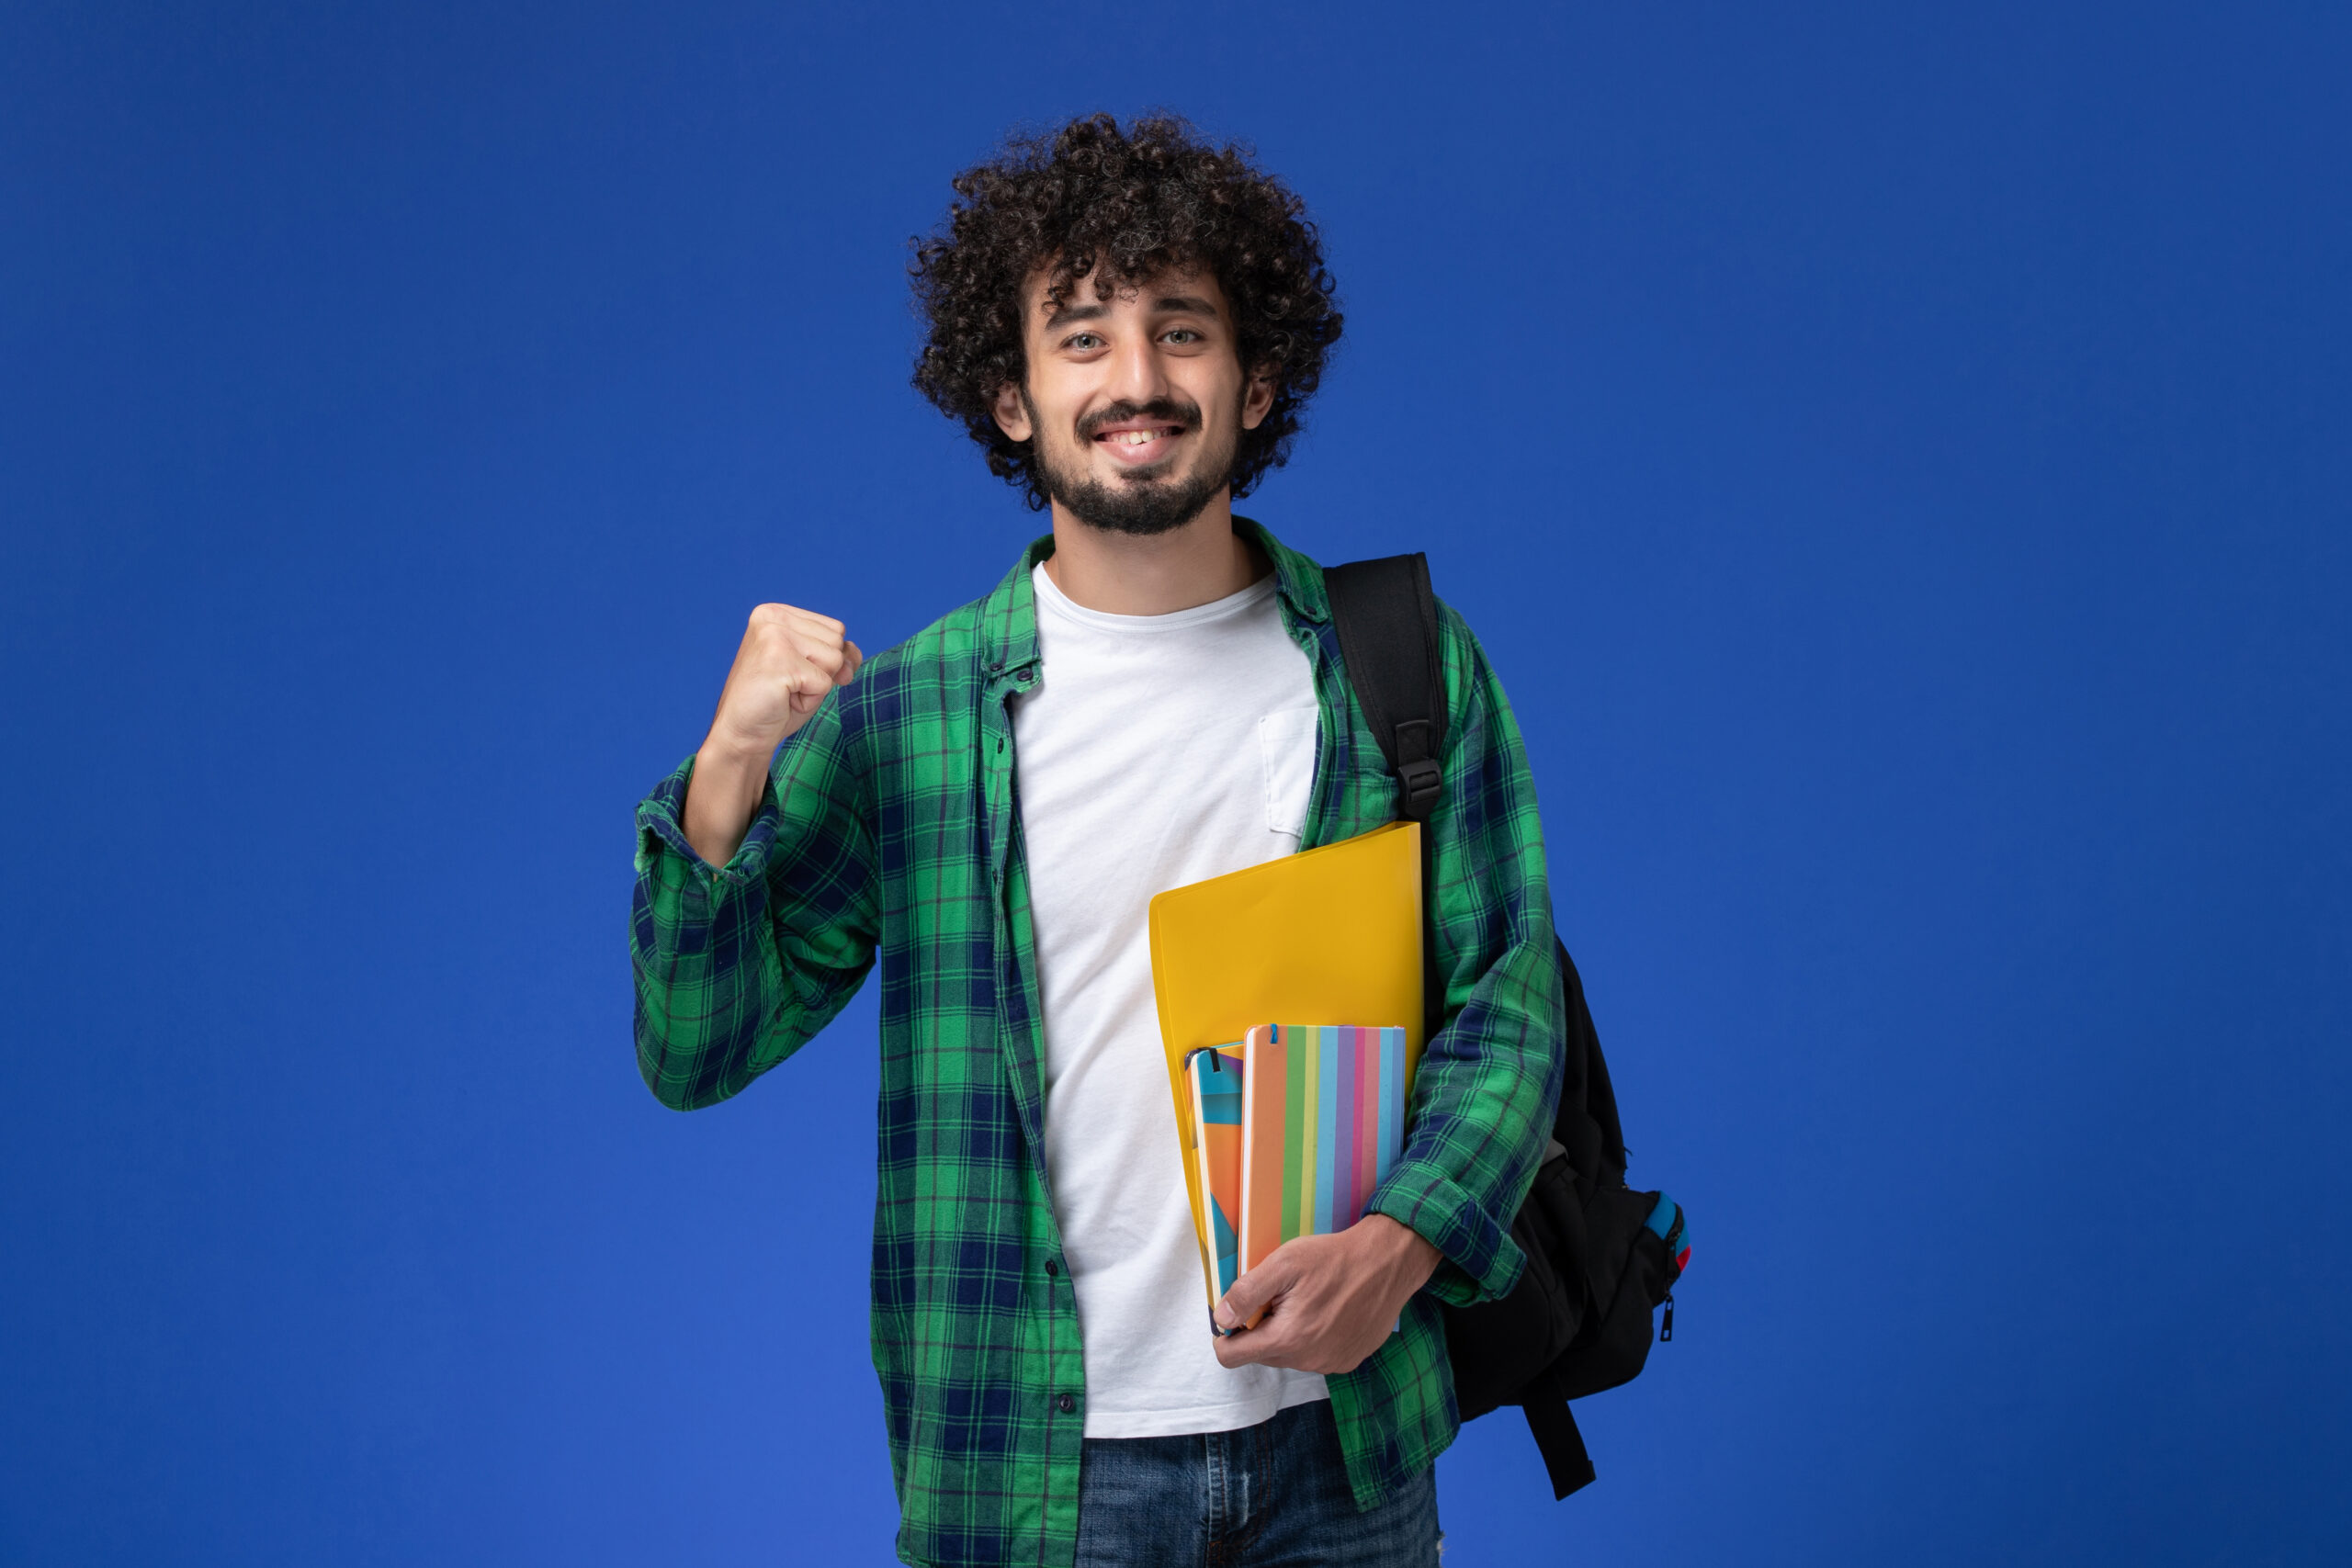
(788,660)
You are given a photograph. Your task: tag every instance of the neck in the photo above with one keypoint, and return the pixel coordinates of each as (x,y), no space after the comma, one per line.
(1122,574)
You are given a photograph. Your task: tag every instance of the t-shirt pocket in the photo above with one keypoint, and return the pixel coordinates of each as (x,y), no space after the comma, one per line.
(1286,744)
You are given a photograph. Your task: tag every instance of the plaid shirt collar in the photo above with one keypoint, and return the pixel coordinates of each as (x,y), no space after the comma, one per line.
(1009,613)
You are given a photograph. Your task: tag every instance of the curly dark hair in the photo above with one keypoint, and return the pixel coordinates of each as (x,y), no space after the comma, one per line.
(1096,201)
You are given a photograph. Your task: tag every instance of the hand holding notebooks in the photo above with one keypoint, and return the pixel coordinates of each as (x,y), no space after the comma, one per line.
(1332,932)
(1295,1127)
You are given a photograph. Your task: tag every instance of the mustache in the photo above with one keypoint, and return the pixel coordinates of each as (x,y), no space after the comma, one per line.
(1184,415)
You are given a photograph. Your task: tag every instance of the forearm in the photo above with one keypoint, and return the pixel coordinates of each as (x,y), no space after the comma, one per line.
(701,953)
(722,797)
(1482,1104)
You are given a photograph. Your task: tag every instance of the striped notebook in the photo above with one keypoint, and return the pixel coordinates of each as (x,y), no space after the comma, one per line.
(1322,1120)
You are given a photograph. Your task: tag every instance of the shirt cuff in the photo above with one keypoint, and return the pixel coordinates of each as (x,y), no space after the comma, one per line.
(1480,1261)
(660,829)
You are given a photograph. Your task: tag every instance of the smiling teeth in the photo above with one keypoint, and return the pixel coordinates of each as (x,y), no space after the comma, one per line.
(1137,438)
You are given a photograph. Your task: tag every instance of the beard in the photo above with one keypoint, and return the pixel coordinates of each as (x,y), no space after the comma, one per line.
(1151,500)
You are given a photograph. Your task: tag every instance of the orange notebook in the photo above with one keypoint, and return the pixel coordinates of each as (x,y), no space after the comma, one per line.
(1215,1075)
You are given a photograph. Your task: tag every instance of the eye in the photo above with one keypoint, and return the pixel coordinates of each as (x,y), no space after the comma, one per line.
(1183,334)
(1083,341)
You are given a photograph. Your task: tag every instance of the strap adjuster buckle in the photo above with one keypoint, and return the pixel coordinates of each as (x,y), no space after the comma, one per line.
(1419,784)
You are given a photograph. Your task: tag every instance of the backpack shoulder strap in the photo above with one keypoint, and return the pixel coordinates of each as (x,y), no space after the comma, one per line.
(1386,618)
(1385,614)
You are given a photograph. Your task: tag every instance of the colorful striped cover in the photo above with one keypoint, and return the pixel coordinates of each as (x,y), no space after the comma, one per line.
(1322,1120)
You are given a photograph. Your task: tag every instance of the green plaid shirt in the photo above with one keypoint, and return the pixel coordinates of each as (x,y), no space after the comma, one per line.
(891,831)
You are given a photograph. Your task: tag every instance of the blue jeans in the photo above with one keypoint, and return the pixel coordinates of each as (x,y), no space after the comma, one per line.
(1272,1496)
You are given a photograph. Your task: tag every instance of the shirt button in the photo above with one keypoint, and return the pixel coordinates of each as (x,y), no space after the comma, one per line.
(1052,1267)
(1066,1402)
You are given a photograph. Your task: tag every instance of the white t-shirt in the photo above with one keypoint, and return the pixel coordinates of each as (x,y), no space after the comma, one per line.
(1153,752)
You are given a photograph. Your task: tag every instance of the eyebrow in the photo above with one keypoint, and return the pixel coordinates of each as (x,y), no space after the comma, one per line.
(1167,304)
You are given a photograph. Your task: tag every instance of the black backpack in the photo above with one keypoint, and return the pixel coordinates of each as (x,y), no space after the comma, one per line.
(1600,1254)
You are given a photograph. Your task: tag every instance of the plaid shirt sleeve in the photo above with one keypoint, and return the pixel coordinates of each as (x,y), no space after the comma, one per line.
(1489,1079)
(737,966)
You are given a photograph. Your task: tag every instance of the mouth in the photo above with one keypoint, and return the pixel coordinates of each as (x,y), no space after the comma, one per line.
(1138,444)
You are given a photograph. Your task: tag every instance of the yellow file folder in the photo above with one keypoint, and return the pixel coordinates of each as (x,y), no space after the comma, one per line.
(1330,935)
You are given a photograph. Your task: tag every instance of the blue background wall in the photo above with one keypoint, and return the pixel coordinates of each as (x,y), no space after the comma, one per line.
(1899,464)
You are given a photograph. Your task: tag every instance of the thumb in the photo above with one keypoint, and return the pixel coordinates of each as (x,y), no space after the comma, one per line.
(1247,1301)
(848,671)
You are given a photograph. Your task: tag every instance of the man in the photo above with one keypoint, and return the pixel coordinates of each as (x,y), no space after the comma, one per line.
(1130,323)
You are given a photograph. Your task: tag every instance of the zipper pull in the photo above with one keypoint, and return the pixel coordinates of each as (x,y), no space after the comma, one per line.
(1666,1329)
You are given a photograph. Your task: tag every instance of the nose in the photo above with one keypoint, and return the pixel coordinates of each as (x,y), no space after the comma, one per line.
(1137,372)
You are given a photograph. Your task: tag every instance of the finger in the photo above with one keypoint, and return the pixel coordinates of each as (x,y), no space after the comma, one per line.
(1273,1343)
(1238,1351)
(1250,1294)
(1267,1342)
(806,686)
(809,673)
(840,661)
(826,622)
(807,697)
(792,619)
(825,657)
(788,614)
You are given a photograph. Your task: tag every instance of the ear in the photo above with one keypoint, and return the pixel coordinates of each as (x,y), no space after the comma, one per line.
(1012,414)
(1257,398)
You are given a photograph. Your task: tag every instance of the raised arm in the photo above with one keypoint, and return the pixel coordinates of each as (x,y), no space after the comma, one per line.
(755,916)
